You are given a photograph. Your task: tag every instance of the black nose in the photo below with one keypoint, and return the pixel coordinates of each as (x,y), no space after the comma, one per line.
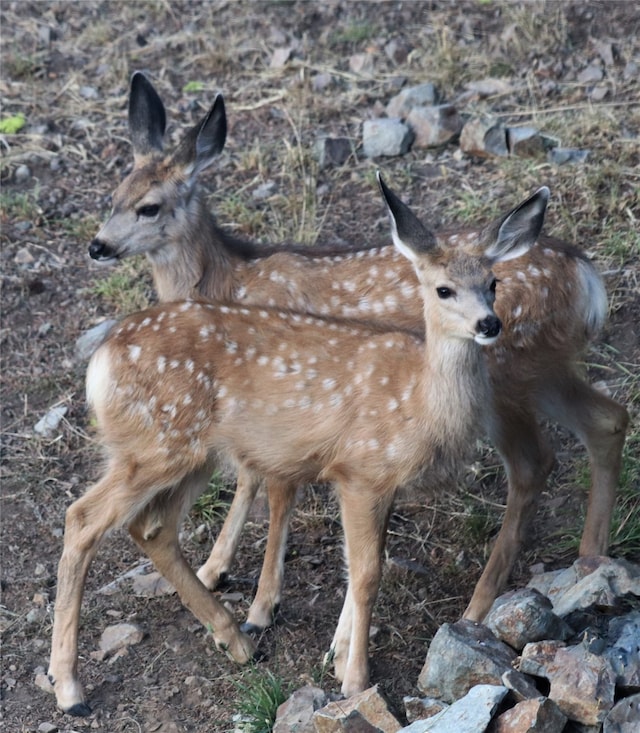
(489,326)
(97,249)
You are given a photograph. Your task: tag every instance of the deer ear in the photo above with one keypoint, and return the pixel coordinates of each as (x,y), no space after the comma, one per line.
(409,235)
(203,142)
(518,231)
(147,117)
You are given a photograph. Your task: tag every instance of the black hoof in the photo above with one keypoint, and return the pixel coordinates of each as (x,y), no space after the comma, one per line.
(251,629)
(80,710)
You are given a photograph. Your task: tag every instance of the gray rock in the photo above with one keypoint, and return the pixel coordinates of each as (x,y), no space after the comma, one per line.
(582,684)
(528,142)
(119,636)
(471,714)
(590,75)
(362,63)
(460,656)
(48,425)
(91,339)
(332,151)
(419,708)
(519,686)
(590,581)
(22,173)
(484,137)
(365,712)
(407,99)
(564,156)
(624,717)
(264,190)
(434,125)
(385,137)
(523,616)
(540,715)
(623,650)
(295,715)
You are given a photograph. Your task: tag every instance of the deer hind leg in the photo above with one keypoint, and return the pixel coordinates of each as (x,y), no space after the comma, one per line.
(155,530)
(267,600)
(105,506)
(217,566)
(600,423)
(528,460)
(364,517)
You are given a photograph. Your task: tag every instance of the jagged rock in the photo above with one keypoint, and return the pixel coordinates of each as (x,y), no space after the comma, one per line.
(519,686)
(407,99)
(528,142)
(366,712)
(590,581)
(329,151)
(419,708)
(434,125)
(563,156)
(523,616)
(530,716)
(470,714)
(48,425)
(484,137)
(119,636)
(581,683)
(385,137)
(624,717)
(280,57)
(295,715)
(623,652)
(461,655)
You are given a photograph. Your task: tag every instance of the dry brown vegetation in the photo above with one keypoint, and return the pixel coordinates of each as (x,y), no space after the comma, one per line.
(65,69)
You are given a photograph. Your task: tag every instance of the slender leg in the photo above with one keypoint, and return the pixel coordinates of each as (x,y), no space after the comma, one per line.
(221,558)
(159,540)
(105,506)
(601,424)
(528,461)
(267,600)
(365,523)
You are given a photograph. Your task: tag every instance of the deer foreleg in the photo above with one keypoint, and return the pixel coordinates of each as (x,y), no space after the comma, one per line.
(267,600)
(364,517)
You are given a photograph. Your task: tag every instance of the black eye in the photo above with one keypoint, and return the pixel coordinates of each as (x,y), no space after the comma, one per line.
(444,293)
(148,211)
(492,287)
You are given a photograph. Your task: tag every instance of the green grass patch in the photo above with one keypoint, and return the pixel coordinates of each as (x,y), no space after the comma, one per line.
(260,693)
(211,506)
(127,288)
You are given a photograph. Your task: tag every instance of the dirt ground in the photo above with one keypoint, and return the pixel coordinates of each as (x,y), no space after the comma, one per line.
(65,68)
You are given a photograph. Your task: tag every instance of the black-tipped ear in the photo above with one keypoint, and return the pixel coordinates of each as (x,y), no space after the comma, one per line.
(519,230)
(410,236)
(147,117)
(204,142)
(213,132)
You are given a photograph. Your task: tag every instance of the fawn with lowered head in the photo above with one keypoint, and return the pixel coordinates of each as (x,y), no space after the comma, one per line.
(550,300)
(293,398)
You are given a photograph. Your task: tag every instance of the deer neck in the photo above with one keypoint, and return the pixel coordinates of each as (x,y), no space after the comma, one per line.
(456,388)
(197,264)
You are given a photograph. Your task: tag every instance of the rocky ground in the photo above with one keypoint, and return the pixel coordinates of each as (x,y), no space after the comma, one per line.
(290,72)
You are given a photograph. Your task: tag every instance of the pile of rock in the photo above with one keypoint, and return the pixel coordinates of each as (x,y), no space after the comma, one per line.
(417,117)
(561,655)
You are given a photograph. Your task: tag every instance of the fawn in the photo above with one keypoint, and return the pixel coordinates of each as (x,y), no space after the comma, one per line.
(551,301)
(183,386)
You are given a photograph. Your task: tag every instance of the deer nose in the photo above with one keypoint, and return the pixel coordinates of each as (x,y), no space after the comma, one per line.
(489,327)
(97,249)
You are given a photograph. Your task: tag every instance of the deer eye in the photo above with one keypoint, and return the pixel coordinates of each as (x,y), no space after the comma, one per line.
(444,293)
(492,287)
(148,211)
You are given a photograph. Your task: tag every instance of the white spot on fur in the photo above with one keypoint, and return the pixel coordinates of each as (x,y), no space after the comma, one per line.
(134,352)
(161,364)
